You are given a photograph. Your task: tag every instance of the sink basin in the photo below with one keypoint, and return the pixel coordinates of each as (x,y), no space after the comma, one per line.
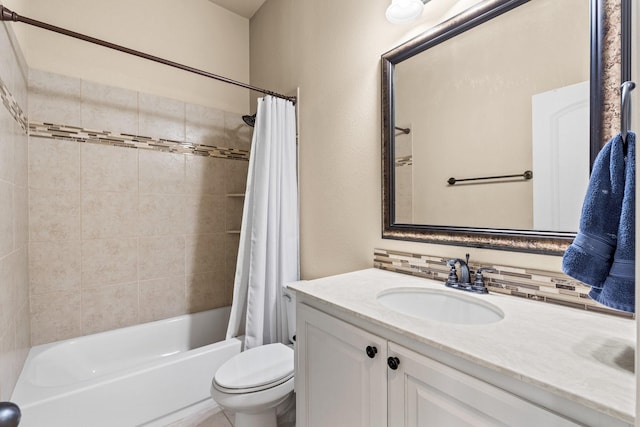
(441,306)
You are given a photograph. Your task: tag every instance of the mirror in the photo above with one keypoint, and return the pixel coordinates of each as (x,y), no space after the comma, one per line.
(507,91)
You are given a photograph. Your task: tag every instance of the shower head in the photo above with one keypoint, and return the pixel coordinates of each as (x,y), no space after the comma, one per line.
(250,120)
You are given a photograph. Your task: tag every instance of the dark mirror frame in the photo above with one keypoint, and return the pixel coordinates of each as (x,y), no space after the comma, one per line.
(544,242)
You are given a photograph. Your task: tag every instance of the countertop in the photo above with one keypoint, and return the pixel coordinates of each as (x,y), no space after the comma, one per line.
(583,356)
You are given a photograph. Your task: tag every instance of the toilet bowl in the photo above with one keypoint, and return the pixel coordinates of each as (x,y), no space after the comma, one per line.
(255,382)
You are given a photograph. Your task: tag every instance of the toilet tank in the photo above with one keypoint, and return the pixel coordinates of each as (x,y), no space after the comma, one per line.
(290,308)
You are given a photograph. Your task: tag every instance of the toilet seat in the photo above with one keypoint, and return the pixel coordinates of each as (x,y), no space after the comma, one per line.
(256,369)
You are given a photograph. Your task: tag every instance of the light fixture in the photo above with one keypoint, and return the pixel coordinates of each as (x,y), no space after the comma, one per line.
(401,11)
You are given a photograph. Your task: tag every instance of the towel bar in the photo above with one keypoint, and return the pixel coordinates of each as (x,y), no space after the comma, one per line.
(526,175)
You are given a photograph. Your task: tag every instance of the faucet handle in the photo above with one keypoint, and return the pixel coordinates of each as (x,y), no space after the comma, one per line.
(453,273)
(479,282)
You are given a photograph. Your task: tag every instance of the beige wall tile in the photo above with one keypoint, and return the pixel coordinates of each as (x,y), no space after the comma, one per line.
(206,252)
(7,213)
(7,146)
(7,60)
(55,316)
(204,214)
(108,108)
(161,214)
(109,307)
(162,298)
(8,292)
(54,215)
(109,214)
(109,168)
(115,239)
(161,257)
(205,126)
(234,213)
(205,291)
(161,172)
(20,154)
(23,334)
(161,117)
(14,347)
(54,164)
(236,176)
(109,261)
(8,370)
(20,263)
(14,286)
(54,98)
(21,216)
(206,175)
(54,266)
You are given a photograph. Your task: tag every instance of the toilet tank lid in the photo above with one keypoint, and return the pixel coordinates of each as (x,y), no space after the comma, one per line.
(256,367)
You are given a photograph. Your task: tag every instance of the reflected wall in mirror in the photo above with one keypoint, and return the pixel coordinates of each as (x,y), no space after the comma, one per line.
(500,89)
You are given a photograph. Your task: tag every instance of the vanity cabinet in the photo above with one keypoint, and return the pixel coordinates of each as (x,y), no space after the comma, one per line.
(342,381)
(341,374)
(423,392)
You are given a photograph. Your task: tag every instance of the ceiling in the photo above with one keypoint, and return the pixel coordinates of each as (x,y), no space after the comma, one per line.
(244,8)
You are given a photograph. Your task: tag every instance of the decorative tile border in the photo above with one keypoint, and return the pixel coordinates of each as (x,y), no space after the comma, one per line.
(12,106)
(538,285)
(72,133)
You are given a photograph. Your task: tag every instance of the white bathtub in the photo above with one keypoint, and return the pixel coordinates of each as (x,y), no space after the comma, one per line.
(144,375)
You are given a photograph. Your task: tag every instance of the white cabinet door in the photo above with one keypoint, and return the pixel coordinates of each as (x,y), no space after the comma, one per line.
(337,382)
(426,393)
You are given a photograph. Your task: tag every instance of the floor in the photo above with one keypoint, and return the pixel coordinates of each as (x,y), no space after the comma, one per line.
(221,419)
(212,417)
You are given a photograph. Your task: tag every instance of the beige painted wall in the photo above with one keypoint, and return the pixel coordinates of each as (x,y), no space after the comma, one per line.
(331,50)
(197,33)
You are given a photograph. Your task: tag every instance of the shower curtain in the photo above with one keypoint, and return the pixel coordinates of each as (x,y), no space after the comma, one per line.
(268,255)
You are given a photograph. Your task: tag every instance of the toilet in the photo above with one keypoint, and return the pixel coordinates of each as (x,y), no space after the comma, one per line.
(255,382)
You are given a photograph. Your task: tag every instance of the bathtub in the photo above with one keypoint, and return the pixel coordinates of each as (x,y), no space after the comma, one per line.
(146,375)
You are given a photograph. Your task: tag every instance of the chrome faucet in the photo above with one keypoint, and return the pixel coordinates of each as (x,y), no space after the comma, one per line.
(465,276)
(464,282)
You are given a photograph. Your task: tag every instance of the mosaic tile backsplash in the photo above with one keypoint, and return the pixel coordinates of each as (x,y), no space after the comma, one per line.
(537,285)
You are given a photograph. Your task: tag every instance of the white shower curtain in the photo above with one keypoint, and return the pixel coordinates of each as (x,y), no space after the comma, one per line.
(268,255)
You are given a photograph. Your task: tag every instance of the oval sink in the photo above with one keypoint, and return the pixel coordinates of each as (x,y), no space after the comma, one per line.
(441,306)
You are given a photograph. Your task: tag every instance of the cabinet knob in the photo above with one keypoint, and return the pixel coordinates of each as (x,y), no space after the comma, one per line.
(393,362)
(371,351)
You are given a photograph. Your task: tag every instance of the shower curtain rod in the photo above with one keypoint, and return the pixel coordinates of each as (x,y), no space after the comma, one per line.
(8,15)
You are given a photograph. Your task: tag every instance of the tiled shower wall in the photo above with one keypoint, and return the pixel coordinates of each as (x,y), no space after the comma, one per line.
(14,286)
(120,235)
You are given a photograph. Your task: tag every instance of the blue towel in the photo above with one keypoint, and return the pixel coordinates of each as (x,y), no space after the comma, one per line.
(589,257)
(618,290)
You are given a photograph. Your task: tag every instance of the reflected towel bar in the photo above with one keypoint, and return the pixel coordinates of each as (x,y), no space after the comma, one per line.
(526,175)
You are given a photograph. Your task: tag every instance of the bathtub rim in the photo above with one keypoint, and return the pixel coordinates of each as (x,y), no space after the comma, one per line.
(27,394)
